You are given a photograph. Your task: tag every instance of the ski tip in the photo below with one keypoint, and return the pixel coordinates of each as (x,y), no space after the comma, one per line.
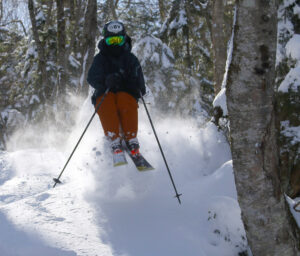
(145,168)
(119,164)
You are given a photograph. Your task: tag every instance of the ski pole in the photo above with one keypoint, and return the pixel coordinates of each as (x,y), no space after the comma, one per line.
(162,153)
(56,180)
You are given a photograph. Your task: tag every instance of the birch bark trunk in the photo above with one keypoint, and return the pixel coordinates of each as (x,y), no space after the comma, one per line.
(250,101)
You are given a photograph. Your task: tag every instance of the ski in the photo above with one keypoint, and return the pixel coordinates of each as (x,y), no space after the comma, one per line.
(140,162)
(119,159)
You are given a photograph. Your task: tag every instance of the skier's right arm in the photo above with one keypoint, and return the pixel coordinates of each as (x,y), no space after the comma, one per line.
(96,73)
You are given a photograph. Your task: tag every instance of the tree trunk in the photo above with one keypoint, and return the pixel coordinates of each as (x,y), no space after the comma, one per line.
(162,9)
(112,8)
(219,43)
(49,16)
(188,7)
(88,47)
(41,54)
(61,48)
(250,96)
(165,33)
(1,10)
(75,43)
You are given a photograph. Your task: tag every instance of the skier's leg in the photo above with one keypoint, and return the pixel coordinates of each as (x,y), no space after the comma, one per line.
(128,112)
(109,117)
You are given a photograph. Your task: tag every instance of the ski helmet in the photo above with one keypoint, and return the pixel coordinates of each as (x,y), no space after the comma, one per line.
(113,28)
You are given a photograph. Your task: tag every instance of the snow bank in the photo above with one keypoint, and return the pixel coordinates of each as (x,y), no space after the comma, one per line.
(12,118)
(292,132)
(220,100)
(291,81)
(153,50)
(180,21)
(293,47)
(15,242)
(101,210)
(294,207)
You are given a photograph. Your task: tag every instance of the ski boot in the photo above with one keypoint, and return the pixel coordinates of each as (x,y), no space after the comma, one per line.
(133,150)
(133,147)
(118,153)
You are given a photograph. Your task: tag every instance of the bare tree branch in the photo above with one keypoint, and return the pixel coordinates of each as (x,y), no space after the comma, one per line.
(15,21)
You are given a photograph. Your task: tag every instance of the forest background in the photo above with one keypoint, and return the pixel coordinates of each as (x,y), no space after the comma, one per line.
(47,46)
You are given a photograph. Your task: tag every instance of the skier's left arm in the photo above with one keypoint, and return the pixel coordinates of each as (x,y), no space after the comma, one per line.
(140,79)
(136,79)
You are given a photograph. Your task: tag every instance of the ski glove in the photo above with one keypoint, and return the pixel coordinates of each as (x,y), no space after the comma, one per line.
(113,81)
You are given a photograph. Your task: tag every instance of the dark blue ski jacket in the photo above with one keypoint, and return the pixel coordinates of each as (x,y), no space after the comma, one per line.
(126,64)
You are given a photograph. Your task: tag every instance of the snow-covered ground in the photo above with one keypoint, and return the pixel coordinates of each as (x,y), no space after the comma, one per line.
(101,210)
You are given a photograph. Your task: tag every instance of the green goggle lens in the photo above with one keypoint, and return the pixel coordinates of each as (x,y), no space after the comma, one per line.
(115,40)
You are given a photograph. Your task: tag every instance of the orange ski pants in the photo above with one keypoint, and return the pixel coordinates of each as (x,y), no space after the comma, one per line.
(118,115)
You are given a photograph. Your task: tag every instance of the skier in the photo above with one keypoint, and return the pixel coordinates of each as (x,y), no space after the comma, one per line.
(117,69)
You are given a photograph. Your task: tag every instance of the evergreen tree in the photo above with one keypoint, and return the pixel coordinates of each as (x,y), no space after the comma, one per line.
(288,107)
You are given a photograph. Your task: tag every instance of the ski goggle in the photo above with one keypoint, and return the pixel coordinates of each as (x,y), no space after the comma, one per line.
(115,40)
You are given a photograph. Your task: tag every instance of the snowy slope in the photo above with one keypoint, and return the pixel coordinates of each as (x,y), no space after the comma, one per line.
(101,210)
